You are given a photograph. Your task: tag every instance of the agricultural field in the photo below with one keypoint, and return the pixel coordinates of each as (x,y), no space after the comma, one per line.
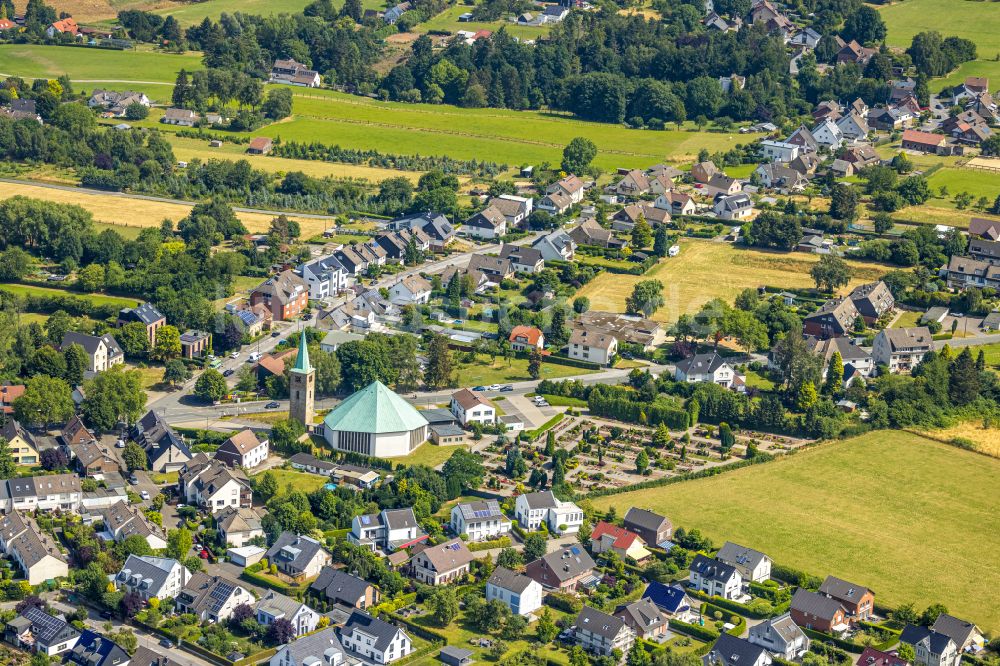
(900,537)
(985,439)
(187,13)
(87,66)
(118,211)
(705,270)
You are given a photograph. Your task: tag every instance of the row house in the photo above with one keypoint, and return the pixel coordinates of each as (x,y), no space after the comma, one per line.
(35,552)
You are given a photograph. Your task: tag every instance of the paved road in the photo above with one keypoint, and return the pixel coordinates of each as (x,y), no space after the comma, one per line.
(974,341)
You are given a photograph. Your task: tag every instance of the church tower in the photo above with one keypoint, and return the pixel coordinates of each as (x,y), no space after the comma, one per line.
(302,386)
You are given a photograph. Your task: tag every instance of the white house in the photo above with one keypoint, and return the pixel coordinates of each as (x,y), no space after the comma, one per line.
(320,649)
(412,290)
(931,648)
(714,578)
(213,485)
(102,351)
(522,595)
(445,563)
(244,449)
(733,207)
(35,553)
(275,606)
(468,407)
(901,349)
(122,520)
(34,630)
(753,565)
(570,186)
(781,636)
(211,598)
(480,521)
(297,555)
(238,526)
(160,577)
(388,530)
(592,345)
(373,639)
(730,650)
(532,509)
(778,151)
(710,367)
(486,224)
(556,246)
(828,134)
(325,277)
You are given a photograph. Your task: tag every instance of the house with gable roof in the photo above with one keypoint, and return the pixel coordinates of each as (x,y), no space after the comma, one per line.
(374,639)
(607,537)
(714,577)
(481,520)
(532,509)
(601,634)
(730,650)
(342,588)
(93,649)
(322,648)
(781,636)
(521,594)
(244,449)
(238,526)
(487,224)
(812,610)
(388,530)
(441,564)
(211,598)
(931,648)
(147,315)
(470,407)
(121,520)
(858,601)
(753,565)
(709,367)
(965,634)
(297,555)
(103,351)
(34,630)
(565,570)
(276,606)
(651,527)
(148,576)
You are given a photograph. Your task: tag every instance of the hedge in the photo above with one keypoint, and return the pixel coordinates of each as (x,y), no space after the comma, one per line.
(545,427)
(695,631)
(738,628)
(502,542)
(841,643)
(727,604)
(423,632)
(267,581)
(566,603)
(555,359)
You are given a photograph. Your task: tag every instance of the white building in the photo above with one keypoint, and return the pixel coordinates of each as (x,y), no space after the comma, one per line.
(753,565)
(556,246)
(373,639)
(160,577)
(388,530)
(593,345)
(522,595)
(781,636)
(709,367)
(325,277)
(901,349)
(412,290)
(778,151)
(375,422)
(213,485)
(320,649)
(244,449)
(533,509)
(715,578)
(828,134)
(469,407)
(733,207)
(275,606)
(480,521)
(36,554)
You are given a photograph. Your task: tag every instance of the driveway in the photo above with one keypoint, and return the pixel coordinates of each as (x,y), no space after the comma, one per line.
(532,415)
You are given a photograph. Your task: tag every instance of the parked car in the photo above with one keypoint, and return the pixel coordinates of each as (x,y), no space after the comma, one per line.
(479,388)
(276,334)
(228,373)
(133,479)
(494,387)
(235,354)
(144,494)
(506,388)
(272,405)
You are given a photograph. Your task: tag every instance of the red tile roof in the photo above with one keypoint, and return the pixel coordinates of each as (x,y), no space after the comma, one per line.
(530,334)
(623,538)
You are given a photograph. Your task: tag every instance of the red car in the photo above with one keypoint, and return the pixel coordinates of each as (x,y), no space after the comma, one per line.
(203,554)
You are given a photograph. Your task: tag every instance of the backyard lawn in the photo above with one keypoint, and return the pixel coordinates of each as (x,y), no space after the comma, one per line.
(918,533)
(705,270)
(907,319)
(428,454)
(299,480)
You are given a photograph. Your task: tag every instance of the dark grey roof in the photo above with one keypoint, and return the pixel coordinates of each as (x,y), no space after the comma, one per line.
(958,630)
(737,555)
(144,314)
(340,586)
(842,589)
(935,641)
(90,343)
(644,614)
(47,628)
(292,551)
(311,461)
(320,267)
(155,436)
(569,562)
(711,569)
(483,510)
(645,519)
(783,626)
(542,500)
(95,650)
(599,623)
(732,651)
(316,645)
(518,254)
(816,604)
(439,228)
(380,630)
(398,519)
(145,656)
(700,363)
(509,580)
(438,415)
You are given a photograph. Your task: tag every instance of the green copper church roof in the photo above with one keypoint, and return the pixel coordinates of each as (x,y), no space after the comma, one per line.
(374,409)
(302,359)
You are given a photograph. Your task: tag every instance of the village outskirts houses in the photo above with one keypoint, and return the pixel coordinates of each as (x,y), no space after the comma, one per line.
(294,73)
(601,634)
(930,648)
(521,594)
(782,637)
(275,606)
(651,527)
(116,103)
(411,290)
(901,349)
(487,224)
(625,544)
(753,565)
(526,338)
(322,647)
(819,612)
(645,619)
(211,598)
(709,367)
(524,260)
(533,509)
(481,520)
(442,564)
(715,578)
(858,601)
(374,639)
(566,570)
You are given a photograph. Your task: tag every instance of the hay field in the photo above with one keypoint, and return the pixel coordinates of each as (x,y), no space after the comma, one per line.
(705,270)
(987,440)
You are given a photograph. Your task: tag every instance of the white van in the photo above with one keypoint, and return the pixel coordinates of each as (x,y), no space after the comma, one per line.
(253,357)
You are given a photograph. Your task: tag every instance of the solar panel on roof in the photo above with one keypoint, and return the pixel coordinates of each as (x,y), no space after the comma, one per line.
(366,520)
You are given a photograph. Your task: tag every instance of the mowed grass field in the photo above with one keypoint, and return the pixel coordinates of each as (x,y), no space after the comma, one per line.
(120,211)
(447,21)
(94,65)
(705,270)
(512,137)
(96,299)
(913,519)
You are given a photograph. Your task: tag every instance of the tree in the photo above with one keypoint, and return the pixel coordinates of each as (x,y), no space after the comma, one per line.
(353,9)
(807,396)
(76,363)
(726,437)
(443,605)
(642,462)
(439,368)
(581,304)
(176,372)
(642,235)
(534,546)
(266,486)
(535,364)
(661,241)
(112,397)
(830,272)
(578,155)
(646,298)
(280,632)
(637,656)
(136,111)
(546,629)
(277,104)
(865,25)
(168,343)
(550,443)
(905,652)
(8,467)
(46,400)
(465,468)
(834,374)
(963,381)
(844,202)
(136,544)
(179,543)
(211,386)
(134,457)
(133,339)
(883,222)
(509,559)
(53,460)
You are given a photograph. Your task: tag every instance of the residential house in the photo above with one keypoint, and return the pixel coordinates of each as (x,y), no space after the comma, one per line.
(972,87)
(8,394)
(730,650)
(488,223)
(858,601)
(781,177)
(778,151)
(819,612)
(966,635)
(494,268)
(33,551)
(311,464)
(782,637)
(524,260)
(633,184)
(566,569)
(34,630)
(344,589)
(524,338)
(92,458)
(294,74)
(182,117)
(260,145)
(479,521)
(335,338)
(872,300)
(774,21)
(195,344)
(890,118)
(590,232)
(115,103)
(901,349)
(827,133)
(931,648)
(391,15)
(297,556)
(556,246)
(276,606)
(147,315)
(20,443)
(594,345)
(644,617)
(964,272)
(122,520)
(625,544)
(554,13)
(753,565)
(670,599)
(411,290)
(834,318)
(601,634)
(238,526)
(93,649)
(702,172)
(521,594)
(555,203)
(43,493)
(807,37)
(714,577)
(469,407)
(651,527)
(861,157)
(708,367)
(325,277)
(388,530)
(211,484)
(872,657)
(852,52)
(854,357)
(570,186)
(442,564)
(515,209)
(677,203)
(733,207)
(244,449)
(212,598)
(804,139)
(853,127)
(722,184)
(286,295)
(148,576)
(805,163)
(103,351)
(924,142)
(397,243)
(532,509)
(322,648)
(374,639)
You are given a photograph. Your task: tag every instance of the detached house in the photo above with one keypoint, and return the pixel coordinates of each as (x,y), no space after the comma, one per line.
(593,345)
(515,209)
(238,526)
(147,315)
(244,449)
(872,657)
(298,556)
(858,601)
(518,592)
(834,318)
(325,277)
(93,649)
(344,589)
(122,520)
(965,634)
(931,648)
(469,407)
(556,246)
(441,564)
(644,617)
(532,509)
(730,650)
(627,545)
(480,521)
(388,530)
(160,577)
(275,606)
(286,295)
(21,444)
(294,73)
(715,578)
(753,565)
(571,186)
(524,338)
(211,598)
(651,527)
(633,184)
(322,648)
(524,260)
(34,630)
(374,639)
(733,207)
(901,349)
(213,485)
(411,290)
(710,367)
(781,636)
(564,570)
(488,223)
(102,351)
(816,611)
(671,599)
(601,634)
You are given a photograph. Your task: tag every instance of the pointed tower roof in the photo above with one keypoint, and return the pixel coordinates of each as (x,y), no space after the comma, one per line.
(302,358)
